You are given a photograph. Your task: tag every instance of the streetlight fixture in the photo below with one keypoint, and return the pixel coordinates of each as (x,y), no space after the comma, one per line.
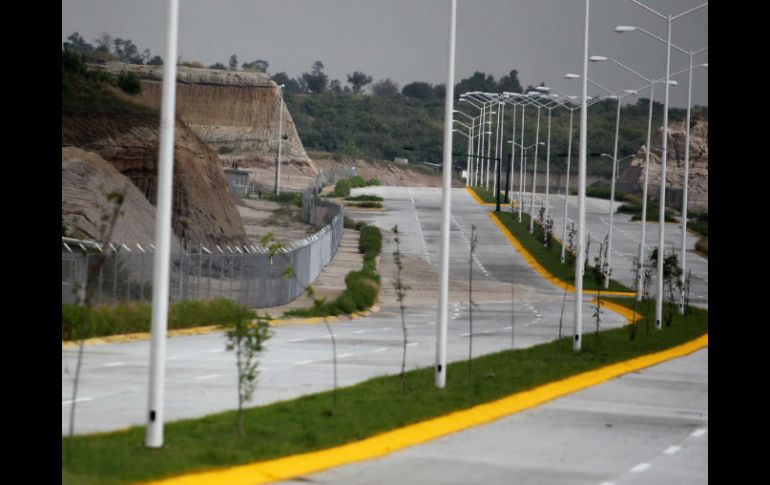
(662,201)
(280,138)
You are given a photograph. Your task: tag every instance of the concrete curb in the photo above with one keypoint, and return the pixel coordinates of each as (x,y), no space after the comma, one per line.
(134,337)
(390,441)
(485,204)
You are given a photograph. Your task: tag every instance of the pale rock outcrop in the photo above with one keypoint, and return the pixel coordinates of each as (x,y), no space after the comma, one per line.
(698,174)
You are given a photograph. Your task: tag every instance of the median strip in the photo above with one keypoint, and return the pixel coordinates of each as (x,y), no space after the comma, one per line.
(539,269)
(385,443)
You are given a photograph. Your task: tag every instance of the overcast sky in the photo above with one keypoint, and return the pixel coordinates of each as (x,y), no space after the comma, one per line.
(406,40)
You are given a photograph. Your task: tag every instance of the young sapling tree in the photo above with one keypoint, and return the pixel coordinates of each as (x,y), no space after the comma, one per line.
(401,291)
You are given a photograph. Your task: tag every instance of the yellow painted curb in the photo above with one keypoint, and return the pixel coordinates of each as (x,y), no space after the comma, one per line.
(630,315)
(486,204)
(388,442)
(133,337)
(532,262)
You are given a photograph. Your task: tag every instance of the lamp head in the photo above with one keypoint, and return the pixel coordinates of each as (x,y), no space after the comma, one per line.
(597,58)
(631,91)
(625,28)
(543,88)
(569,75)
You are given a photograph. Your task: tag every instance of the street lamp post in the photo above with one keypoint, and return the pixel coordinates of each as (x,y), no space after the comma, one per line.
(446,198)
(686,182)
(578,321)
(280,138)
(159,318)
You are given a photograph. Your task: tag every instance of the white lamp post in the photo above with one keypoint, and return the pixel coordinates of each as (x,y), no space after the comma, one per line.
(280,137)
(159,318)
(446,198)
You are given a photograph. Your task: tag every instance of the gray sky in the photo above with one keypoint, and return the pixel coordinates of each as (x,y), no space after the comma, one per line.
(406,40)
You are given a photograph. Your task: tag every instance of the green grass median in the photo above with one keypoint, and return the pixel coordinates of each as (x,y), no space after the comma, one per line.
(371,407)
(550,258)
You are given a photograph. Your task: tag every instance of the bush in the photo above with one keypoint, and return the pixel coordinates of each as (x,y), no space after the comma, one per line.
(293,198)
(357,182)
(129,83)
(702,245)
(368,205)
(374,181)
(370,241)
(342,188)
(365,198)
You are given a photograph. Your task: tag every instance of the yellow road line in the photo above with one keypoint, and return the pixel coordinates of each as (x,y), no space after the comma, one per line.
(532,262)
(388,442)
(132,337)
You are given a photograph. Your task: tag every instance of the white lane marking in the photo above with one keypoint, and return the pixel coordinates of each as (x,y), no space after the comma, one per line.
(173,357)
(303,362)
(298,340)
(343,356)
(640,467)
(212,351)
(698,433)
(410,344)
(210,376)
(360,331)
(114,364)
(385,328)
(80,399)
(607,483)
(672,449)
(381,349)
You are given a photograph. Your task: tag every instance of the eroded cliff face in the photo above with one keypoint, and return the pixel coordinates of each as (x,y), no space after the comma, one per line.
(202,208)
(86,181)
(233,112)
(699,162)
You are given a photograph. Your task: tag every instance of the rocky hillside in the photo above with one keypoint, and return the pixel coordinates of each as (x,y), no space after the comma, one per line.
(233,112)
(202,207)
(86,180)
(699,162)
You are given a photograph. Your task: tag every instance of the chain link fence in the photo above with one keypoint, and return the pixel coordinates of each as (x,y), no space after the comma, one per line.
(247,274)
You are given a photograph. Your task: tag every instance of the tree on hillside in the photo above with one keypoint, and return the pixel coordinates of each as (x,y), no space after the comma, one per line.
(127,51)
(358,80)
(479,81)
(258,65)
(103,42)
(218,66)
(335,86)
(233,62)
(156,61)
(419,90)
(439,91)
(386,88)
(77,43)
(316,80)
(290,84)
(509,83)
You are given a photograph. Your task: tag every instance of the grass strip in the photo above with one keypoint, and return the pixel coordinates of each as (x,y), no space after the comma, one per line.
(361,287)
(128,318)
(307,423)
(550,258)
(488,196)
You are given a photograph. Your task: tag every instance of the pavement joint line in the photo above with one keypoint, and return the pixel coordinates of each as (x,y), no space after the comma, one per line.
(385,443)
(538,268)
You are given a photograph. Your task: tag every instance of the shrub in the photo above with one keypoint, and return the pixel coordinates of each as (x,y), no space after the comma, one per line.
(342,188)
(129,83)
(370,241)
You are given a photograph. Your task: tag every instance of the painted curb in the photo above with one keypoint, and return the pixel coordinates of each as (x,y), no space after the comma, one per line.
(532,262)
(388,442)
(135,337)
(485,204)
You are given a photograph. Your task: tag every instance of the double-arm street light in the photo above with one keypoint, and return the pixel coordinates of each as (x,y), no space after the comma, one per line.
(280,138)
(662,200)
